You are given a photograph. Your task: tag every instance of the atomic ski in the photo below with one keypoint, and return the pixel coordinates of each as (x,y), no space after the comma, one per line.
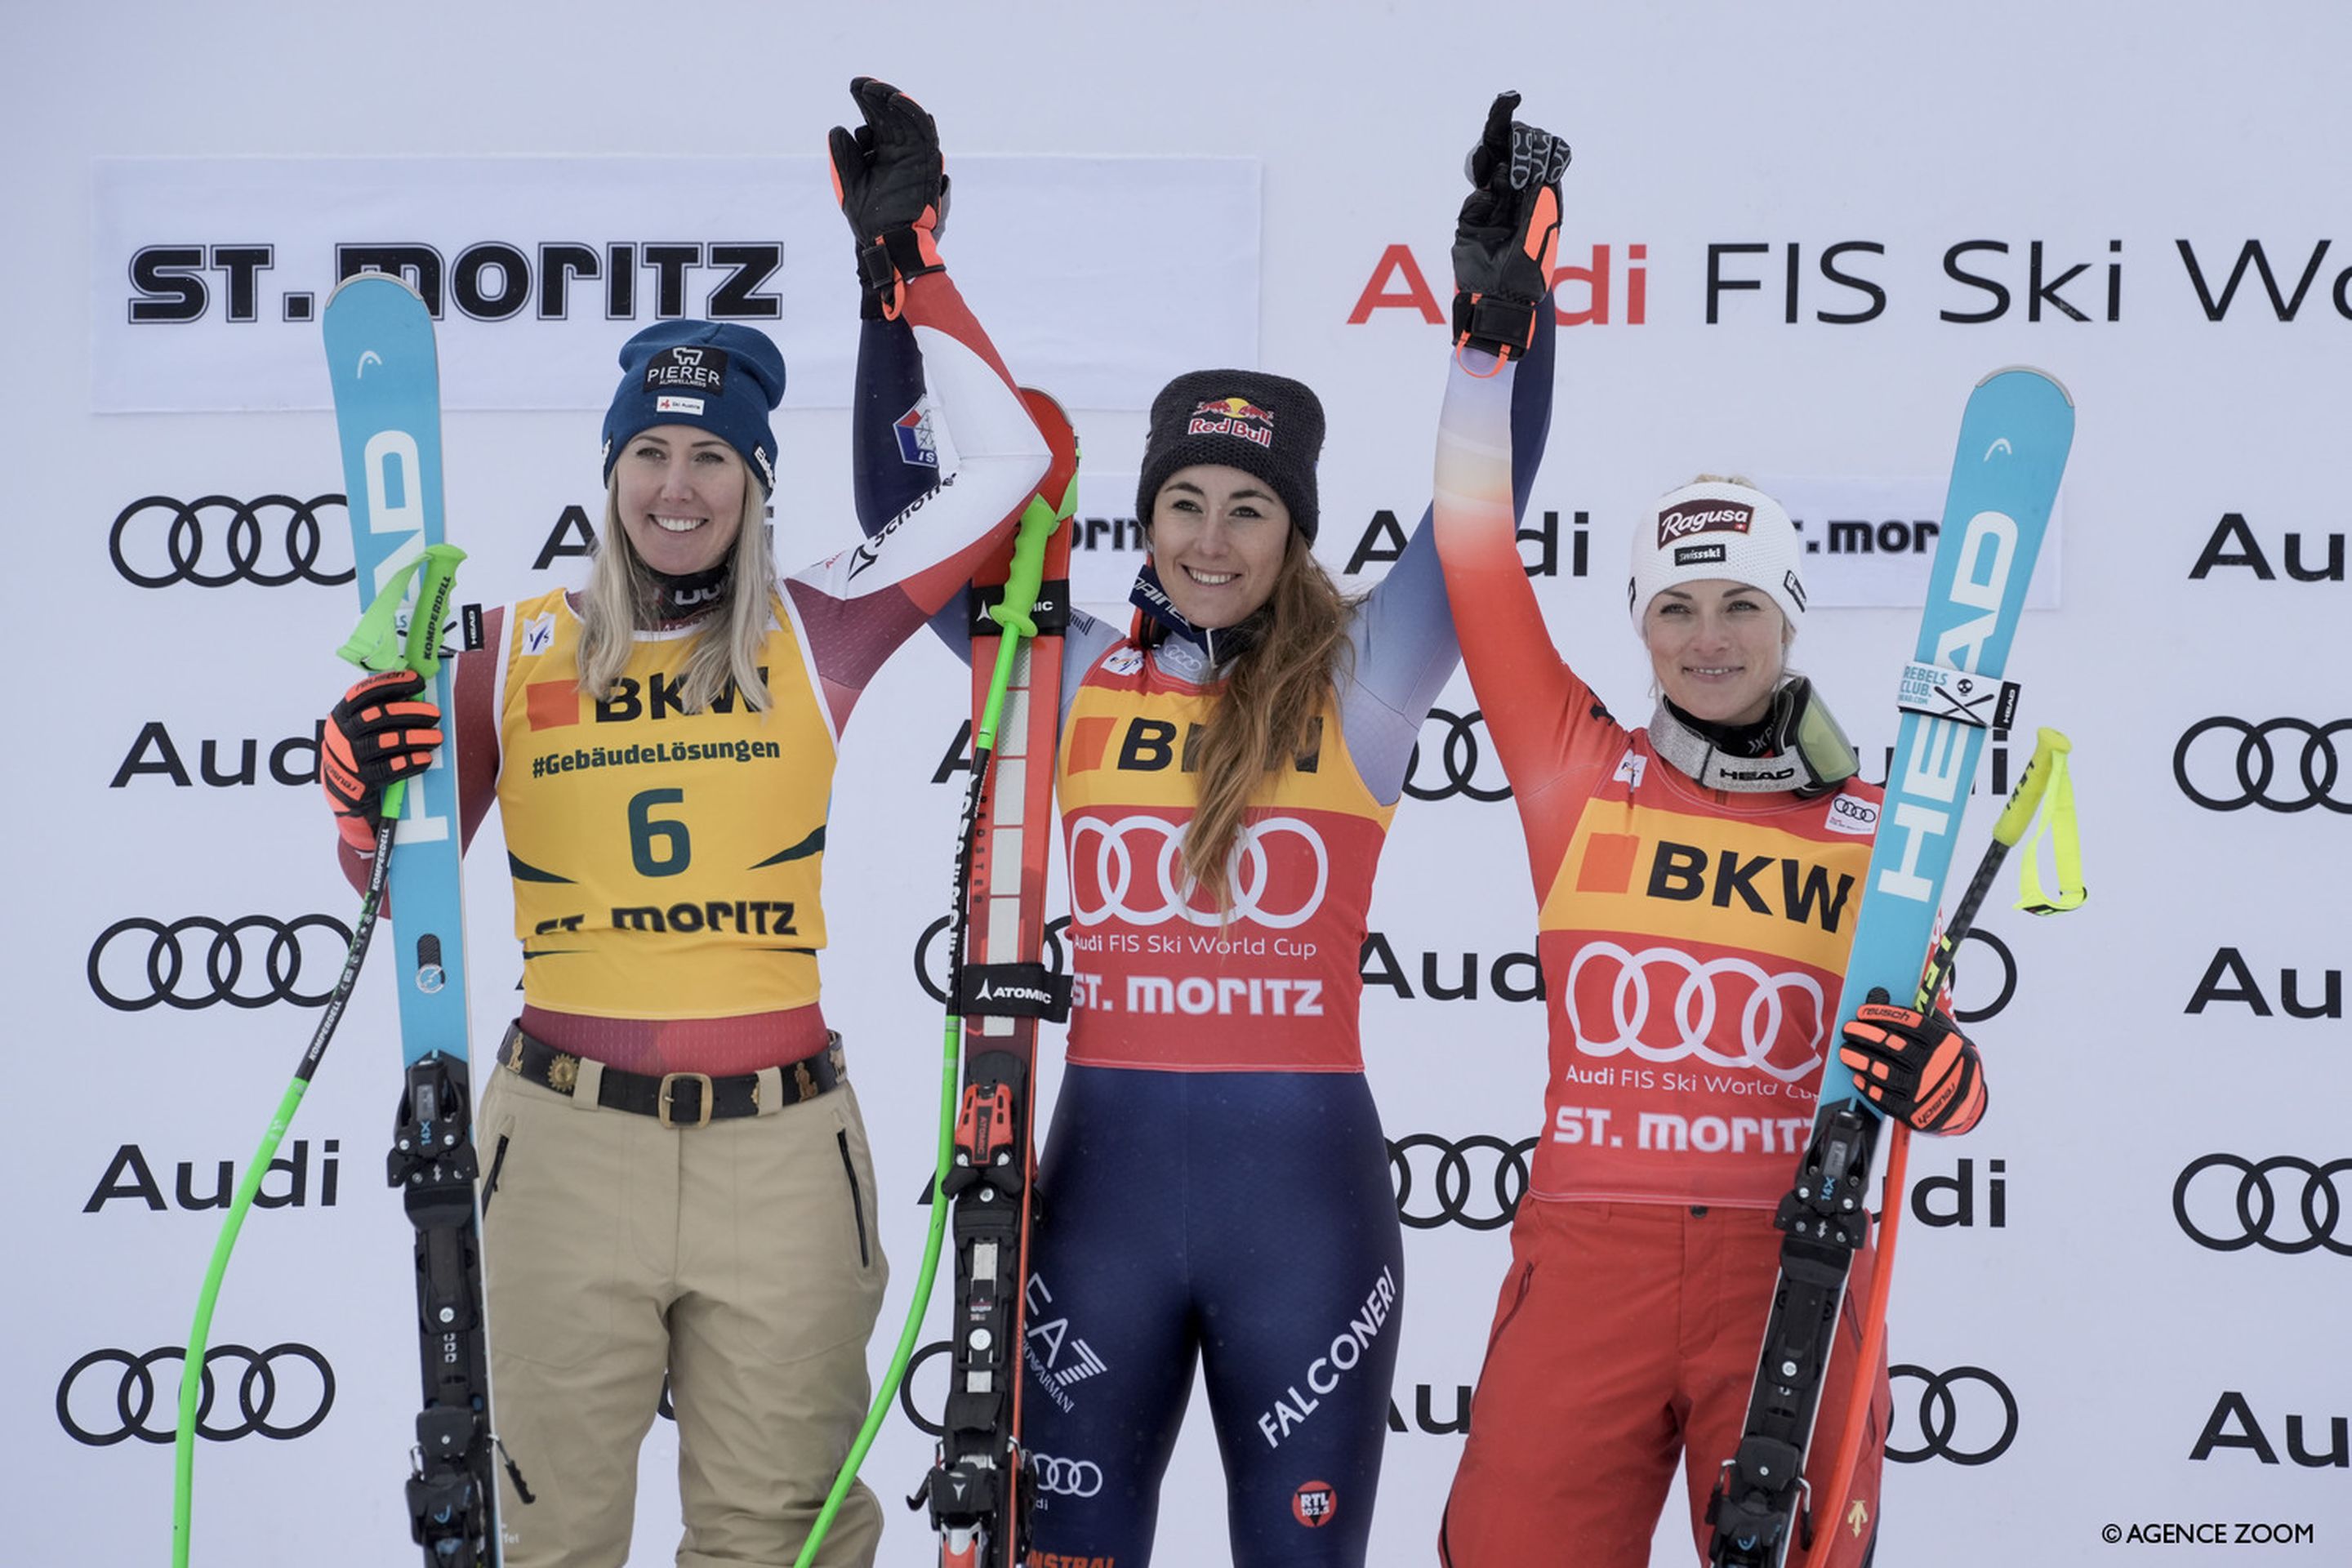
(1020,605)
(2014,436)
(380,361)
(998,980)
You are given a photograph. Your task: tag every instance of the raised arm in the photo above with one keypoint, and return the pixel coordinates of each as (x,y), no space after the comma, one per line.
(860,605)
(1535,707)
(894,452)
(1406,646)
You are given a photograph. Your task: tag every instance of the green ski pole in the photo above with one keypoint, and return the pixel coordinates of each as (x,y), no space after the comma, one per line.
(376,644)
(1038,522)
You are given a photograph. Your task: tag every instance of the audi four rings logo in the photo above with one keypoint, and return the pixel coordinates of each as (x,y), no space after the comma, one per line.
(158,541)
(1940,1425)
(1688,1007)
(1163,892)
(1475,1182)
(1458,754)
(138,963)
(143,1411)
(1065,1478)
(2304,766)
(2277,1219)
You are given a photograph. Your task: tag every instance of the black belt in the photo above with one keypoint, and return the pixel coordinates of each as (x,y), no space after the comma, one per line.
(675,1098)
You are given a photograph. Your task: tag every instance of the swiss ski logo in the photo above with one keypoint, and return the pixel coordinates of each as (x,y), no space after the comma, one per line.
(1698,555)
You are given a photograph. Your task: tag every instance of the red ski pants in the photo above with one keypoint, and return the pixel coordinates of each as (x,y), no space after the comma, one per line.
(1626,1338)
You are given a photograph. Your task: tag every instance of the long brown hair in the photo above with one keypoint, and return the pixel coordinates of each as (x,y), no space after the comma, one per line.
(1269,710)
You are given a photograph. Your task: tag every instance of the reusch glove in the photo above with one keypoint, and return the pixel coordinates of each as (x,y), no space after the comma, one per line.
(375,735)
(1915,1065)
(892,185)
(1508,233)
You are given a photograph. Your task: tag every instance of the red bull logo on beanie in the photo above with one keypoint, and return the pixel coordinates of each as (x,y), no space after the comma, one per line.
(1232,417)
(1705,516)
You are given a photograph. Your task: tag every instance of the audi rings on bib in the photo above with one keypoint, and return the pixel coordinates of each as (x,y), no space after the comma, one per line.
(1460,1198)
(1694,1009)
(1164,893)
(223,964)
(2259,1207)
(1065,1477)
(1459,754)
(183,542)
(1939,1417)
(137,1395)
(2315,776)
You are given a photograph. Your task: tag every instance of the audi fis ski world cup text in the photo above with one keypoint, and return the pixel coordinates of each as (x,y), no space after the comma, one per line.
(1859,282)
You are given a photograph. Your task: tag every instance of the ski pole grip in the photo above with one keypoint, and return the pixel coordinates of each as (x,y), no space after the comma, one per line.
(2026,799)
(1038,520)
(440,580)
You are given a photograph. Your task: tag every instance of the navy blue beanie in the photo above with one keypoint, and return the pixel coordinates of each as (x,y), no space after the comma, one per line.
(716,376)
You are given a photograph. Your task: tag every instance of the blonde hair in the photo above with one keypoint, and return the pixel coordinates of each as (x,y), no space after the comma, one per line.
(623,597)
(1269,712)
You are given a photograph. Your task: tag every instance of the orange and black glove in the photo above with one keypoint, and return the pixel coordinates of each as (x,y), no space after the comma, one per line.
(892,184)
(1508,233)
(1913,1066)
(377,733)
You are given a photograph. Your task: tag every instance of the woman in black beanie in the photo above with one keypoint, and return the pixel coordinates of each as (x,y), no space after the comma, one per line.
(1215,1184)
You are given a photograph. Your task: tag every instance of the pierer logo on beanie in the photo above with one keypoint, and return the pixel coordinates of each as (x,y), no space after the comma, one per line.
(1232,417)
(701,369)
(1702,515)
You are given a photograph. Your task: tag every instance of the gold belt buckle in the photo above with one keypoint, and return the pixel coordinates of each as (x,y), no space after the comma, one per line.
(661,1105)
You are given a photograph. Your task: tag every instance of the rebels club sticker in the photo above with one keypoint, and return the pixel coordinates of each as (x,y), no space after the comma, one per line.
(1315,1504)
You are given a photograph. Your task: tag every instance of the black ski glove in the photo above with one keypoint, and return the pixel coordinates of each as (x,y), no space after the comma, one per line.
(892,184)
(380,731)
(1508,233)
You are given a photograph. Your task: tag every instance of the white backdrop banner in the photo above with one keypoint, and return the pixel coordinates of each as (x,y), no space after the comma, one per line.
(1794,239)
(207,274)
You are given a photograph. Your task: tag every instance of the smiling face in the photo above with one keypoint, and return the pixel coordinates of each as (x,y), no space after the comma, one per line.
(1717,647)
(680,491)
(1218,537)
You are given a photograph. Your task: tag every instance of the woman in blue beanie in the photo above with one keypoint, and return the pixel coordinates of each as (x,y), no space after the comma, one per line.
(675,1174)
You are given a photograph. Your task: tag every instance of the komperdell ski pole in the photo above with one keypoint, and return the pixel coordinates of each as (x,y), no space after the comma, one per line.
(2014,437)
(1038,522)
(2044,781)
(376,646)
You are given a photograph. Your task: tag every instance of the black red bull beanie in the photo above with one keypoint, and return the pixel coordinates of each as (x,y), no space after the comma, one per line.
(1268,426)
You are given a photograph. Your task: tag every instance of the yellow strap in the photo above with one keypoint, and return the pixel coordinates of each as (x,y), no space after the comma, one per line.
(2057,820)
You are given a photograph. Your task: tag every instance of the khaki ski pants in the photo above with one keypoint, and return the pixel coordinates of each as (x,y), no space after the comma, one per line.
(740,1258)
